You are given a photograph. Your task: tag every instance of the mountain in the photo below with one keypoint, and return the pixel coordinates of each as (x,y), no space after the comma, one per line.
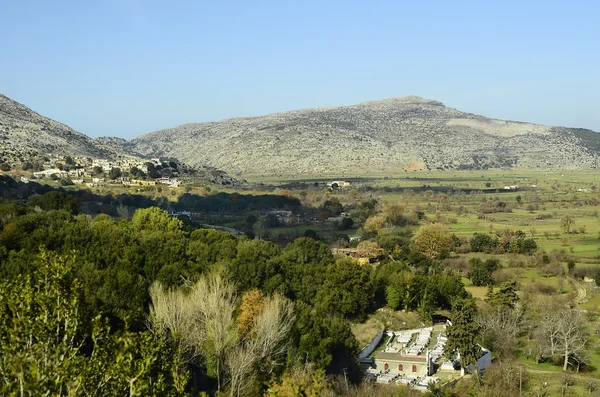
(25,133)
(387,135)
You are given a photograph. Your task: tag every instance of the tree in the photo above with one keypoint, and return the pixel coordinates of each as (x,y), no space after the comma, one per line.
(49,348)
(155,219)
(401,291)
(300,382)
(346,223)
(463,333)
(434,240)
(347,290)
(56,201)
(564,333)
(506,296)
(500,329)
(303,263)
(481,242)
(253,303)
(324,340)
(115,173)
(199,320)
(374,223)
(506,378)
(271,221)
(136,172)
(394,214)
(571,265)
(97,170)
(481,274)
(255,266)
(4,167)
(566,223)
(152,170)
(332,207)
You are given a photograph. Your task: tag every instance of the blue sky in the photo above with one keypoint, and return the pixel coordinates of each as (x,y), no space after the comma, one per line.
(127,67)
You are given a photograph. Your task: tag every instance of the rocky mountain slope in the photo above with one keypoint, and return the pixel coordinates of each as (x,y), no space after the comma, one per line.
(25,133)
(388,135)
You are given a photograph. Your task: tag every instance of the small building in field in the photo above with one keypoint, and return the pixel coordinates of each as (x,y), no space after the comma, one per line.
(399,364)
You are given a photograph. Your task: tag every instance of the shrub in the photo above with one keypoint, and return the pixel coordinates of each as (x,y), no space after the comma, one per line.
(537,287)
(551,269)
(459,265)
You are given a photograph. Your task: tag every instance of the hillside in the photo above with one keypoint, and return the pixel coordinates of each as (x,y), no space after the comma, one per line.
(387,135)
(25,133)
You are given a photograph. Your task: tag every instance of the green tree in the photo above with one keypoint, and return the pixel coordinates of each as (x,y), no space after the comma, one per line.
(154,219)
(481,274)
(42,337)
(136,172)
(481,242)
(324,340)
(347,290)
(303,263)
(463,333)
(115,173)
(333,207)
(505,296)
(402,291)
(56,201)
(346,223)
(255,266)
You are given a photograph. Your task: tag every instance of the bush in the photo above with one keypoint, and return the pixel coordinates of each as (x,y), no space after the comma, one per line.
(459,265)
(515,261)
(551,269)
(535,287)
(503,275)
(582,272)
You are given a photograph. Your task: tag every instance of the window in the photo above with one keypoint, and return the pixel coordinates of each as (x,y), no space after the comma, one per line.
(400,367)
(414,368)
(386,367)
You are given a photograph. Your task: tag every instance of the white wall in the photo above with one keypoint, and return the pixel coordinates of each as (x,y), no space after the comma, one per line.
(369,348)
